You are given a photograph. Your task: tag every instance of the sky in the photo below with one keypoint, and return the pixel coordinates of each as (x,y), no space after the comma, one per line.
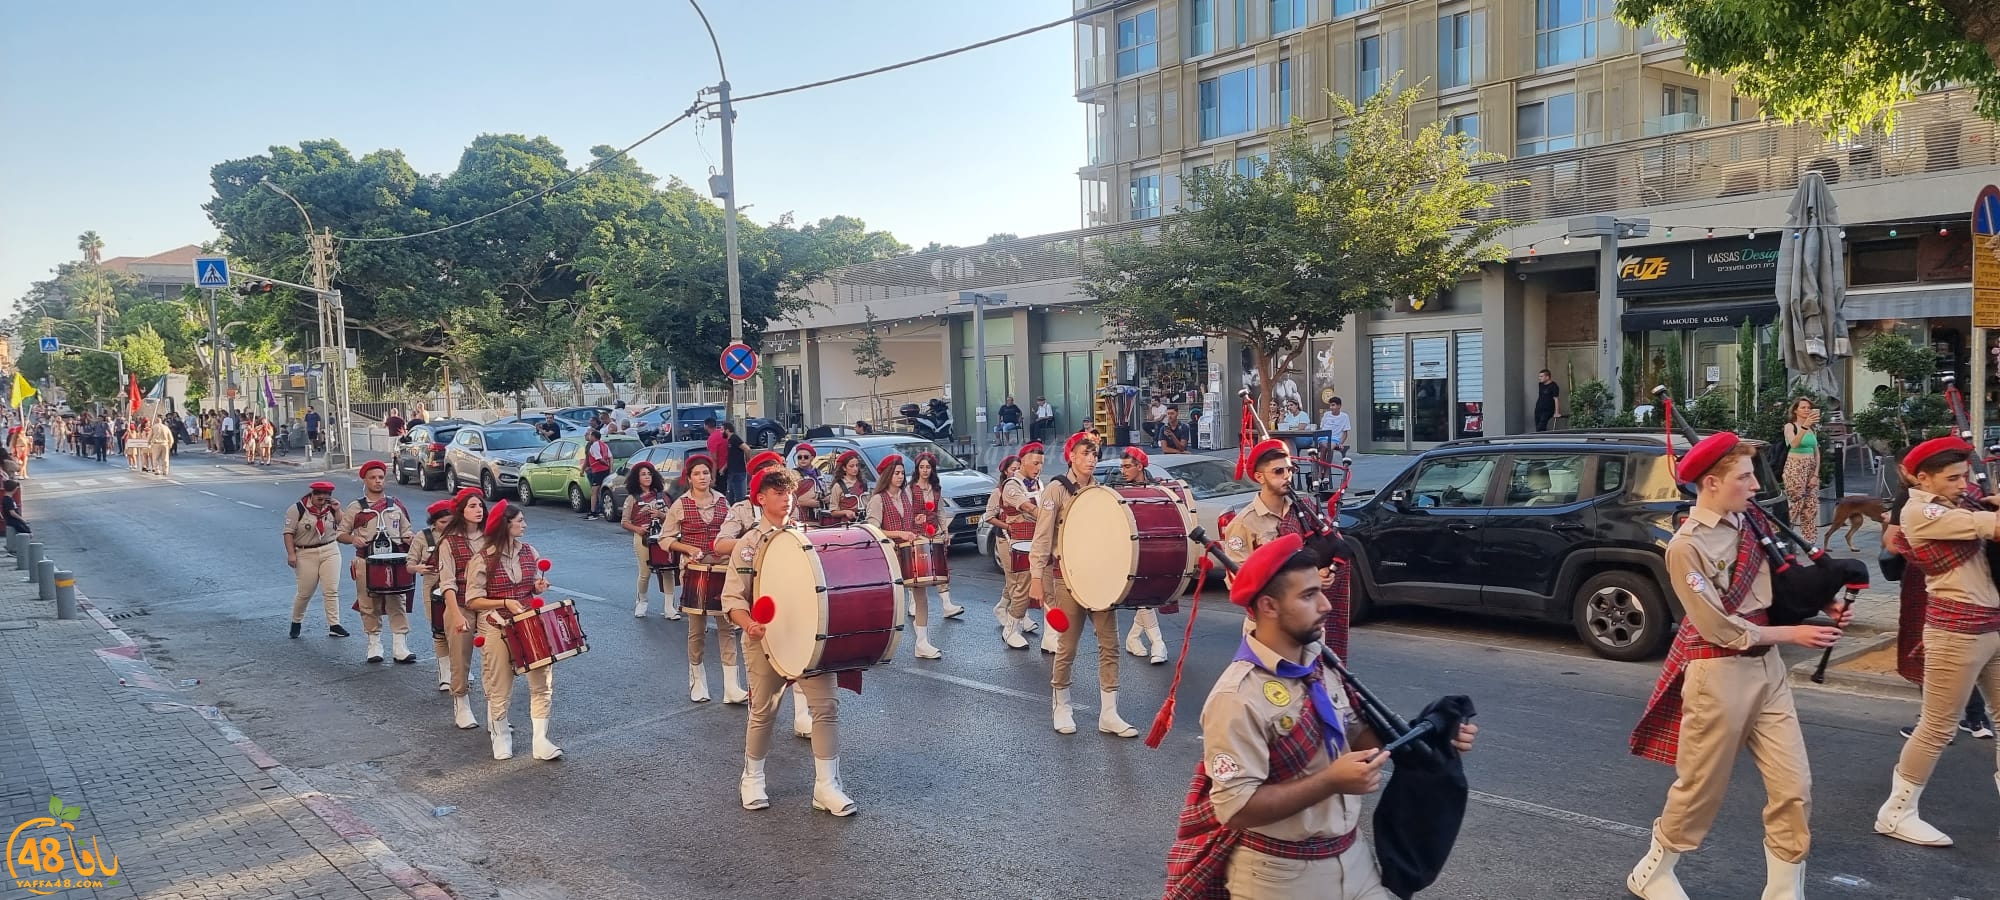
(115,111)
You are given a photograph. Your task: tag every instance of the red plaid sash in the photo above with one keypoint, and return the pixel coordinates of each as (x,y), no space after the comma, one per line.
(1198,862)
(1961,618)
(1939,557)
(1658,735)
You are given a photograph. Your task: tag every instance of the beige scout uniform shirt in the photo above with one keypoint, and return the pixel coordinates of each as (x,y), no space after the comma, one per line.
(740,581)
(1054,504)
(307,532)
(1927,517)
(391,520)
(676,515)
(742,515)
(1257,526)
(1699,558)
(1017,500)
(425,543)
(480,576)
(1247,711)
(163,437)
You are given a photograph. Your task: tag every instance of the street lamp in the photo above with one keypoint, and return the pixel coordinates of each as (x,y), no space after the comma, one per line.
(724,186)
(1608,229)
(333,324)
(979,301)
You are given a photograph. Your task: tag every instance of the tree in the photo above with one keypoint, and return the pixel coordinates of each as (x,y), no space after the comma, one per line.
(1320,234)
(870,362)
(1843,64)
(92,247)
(1902,416)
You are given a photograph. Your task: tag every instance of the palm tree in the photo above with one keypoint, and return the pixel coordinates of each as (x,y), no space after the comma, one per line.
(92,247)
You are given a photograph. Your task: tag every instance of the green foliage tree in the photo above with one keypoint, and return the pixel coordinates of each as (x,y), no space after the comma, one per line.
(1904,415)
(1321,233)
(1590,406)
(871,363)
(1843,64)
(145,355)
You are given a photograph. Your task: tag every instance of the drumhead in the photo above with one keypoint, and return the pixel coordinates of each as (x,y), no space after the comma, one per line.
(789,573)
(1022,546)
(389,559)
(1097,545)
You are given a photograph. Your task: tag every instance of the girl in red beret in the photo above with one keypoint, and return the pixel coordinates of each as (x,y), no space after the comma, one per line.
(892,509)
(462,538)
(846,492)
(503,577)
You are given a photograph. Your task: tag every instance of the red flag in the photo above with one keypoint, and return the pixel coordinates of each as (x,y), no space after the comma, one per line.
(132,391)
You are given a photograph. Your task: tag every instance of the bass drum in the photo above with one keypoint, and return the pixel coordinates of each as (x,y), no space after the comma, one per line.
(1127,547)
(837,596)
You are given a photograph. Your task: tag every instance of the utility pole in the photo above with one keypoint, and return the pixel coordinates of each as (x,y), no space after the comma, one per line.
(1610,342)
(980,433)
(214,349)
(724,186)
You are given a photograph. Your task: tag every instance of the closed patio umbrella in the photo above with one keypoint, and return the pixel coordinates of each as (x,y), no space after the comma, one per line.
(1812,289)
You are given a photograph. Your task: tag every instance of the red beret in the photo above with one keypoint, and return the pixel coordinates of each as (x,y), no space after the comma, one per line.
(1264,449)
(1704,456)
(757,483)
(1005,463)
(373,465)
(439,508)
(840,462)
(1262,566)
(1032,447)
(1138,456)
(804,447)
(494,516)
(323,487)
(882,468)
(467,492)
(766,458)
(1933,447)
(1080,437)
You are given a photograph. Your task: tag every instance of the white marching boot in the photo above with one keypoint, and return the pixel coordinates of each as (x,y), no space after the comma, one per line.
(375,648)
(639,607)
(697,683)
(732,686)
(1785,881)
(1050,639)
(1135,640)
(1010,634)
(1108,720)
(399,649)
(1653,878)
(802,720)
(545,748)
(951,610)
(444,673)
(669,609)
(1000,612)
(461,710)
(751,786)
(1065,720)
(1159,643)
(1898,816)
(827,792)
(924,648)
(503,738)
(1028,624)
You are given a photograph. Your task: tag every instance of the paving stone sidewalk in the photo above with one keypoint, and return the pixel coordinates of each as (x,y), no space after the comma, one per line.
(188,805)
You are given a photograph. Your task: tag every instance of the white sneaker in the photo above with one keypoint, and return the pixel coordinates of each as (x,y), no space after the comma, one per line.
(671,610)
(751,785)
(399,649)
(828,795)
(802,720)
(697,683)
(375,648)
(1010,633)
(545,748)
(1898,816)
(1028,624)
(924,648)
(1159,643)
(1653,878)
(1108,720)
(639,610)
(1000,613)
(461,708)
(503,739)
(1050,640)
(1065,719)
(952,610)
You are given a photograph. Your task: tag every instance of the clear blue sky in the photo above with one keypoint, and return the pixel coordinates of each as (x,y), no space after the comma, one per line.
(114,111)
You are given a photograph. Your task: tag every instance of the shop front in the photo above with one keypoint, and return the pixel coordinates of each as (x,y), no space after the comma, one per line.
(1173,376)
(1685,306)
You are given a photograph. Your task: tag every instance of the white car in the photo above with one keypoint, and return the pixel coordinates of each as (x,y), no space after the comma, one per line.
(1212,482)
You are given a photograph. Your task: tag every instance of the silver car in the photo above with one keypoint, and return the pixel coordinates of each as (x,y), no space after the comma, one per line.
(1211,482)
(489,456)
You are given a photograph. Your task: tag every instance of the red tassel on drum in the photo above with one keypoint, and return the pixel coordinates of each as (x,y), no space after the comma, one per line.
(1057,620)
(1163,722)
(764,610)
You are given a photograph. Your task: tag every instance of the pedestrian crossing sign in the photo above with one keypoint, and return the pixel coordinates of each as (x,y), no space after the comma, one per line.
(211,271)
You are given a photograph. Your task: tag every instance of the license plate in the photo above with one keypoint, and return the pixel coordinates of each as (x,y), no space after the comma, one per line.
(973,520)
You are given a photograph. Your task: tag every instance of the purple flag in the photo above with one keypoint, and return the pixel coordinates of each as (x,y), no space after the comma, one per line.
(270,399)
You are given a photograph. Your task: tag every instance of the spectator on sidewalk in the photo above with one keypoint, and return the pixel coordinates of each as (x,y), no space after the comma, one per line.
(1547,392)
(1337,426)
(1155,418)
(395,423)
(1010,418)
(550,428)
(10,507)
(312,426)
(1045,418)
(1173,432)
(419,415)
(229,426)
(718,442)
(735,474)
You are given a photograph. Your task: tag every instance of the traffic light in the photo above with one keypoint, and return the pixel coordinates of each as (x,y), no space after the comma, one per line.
(254,288)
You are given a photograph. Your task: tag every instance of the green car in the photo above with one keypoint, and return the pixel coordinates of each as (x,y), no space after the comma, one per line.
(557,471)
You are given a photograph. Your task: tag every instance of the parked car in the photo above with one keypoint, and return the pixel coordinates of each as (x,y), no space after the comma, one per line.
(757,431)
(557,470)
(965,489)
(419,453)
(570,427)
(1562,527)
(489,456)
(1211,482)
(667,458)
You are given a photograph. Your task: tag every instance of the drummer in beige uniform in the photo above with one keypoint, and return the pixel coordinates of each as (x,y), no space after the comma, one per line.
(1020,502)
(446,639)
(312,549)
(1046,585)
(360,523)
(771,489)
(807,499)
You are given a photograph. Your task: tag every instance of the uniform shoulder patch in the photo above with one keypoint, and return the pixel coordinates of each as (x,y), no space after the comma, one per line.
(749,554)
(1277,694)
(1933,510)
(1224,767)
(1236,544)
(1696,581)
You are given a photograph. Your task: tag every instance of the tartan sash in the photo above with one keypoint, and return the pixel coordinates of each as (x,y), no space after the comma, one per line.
(1198,862)
(1658,734)
(1961,618)
(1939,557)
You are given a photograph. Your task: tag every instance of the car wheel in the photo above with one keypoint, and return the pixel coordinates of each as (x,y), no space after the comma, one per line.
(769,437)
(1620,615)
(994,549)
(578,503)
(489,487)
(402,474)
(527,492)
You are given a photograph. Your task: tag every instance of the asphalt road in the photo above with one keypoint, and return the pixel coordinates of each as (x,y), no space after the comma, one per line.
(964,789)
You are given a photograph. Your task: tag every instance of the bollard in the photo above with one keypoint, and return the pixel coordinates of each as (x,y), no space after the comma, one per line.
(34,556)
(45,576)
(65,595)
(17,542)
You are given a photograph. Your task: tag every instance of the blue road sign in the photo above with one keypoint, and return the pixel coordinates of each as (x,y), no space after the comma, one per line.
(211,271)
(739,362)
(51,345)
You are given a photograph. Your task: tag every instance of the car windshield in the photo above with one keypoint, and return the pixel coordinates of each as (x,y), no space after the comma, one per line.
(909,450)
(513,439)
(1211,478)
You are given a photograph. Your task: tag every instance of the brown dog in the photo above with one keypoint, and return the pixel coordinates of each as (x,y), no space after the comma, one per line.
(1852,511)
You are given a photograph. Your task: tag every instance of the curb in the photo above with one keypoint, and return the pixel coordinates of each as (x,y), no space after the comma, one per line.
(1856,682)
(128,662)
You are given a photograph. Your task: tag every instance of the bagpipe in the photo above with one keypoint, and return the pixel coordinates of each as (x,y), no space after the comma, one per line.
(1801,588)
(1982,470)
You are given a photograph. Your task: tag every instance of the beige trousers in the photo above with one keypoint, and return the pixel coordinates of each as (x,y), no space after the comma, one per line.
(642,590)
(1350,876)
(1015,591)
(458,648)
(496,677)
(731,635)
(374,605)
(920,597)
(1953,663)
(1105,623)
(766,687)
(1732,704)
(318,567)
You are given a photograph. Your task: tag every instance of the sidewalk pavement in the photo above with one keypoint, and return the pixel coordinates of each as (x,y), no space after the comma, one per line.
(175,795)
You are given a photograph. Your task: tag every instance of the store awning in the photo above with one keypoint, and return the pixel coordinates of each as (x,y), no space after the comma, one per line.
(1683,316)
(1908,302)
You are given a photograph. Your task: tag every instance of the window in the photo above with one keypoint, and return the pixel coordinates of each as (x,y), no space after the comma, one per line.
(1454,50)
(1545,126)
(1565,31)
(1368,65)
(1287,15)
(1543,480)
(1146,197)
(1201,27)
(1677,100)
(1138,43)
(1350,7)
(1453,483)
(1884,262)
(1285,91)
(1228,102)
(1250,166)
(1610,475)
(1468,125)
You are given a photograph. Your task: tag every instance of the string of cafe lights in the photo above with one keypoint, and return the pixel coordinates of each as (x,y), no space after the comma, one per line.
(1895,229)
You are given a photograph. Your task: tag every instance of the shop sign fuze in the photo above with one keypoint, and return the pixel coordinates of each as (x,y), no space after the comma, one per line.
(1707,264)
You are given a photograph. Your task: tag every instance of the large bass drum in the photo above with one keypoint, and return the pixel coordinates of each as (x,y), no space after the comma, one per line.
(1127,547)
(836,595)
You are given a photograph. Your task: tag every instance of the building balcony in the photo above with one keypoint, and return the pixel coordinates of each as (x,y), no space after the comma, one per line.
(1675,123)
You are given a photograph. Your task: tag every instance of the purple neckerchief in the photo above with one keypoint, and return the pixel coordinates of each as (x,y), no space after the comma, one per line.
(1332,732)
(1034,484)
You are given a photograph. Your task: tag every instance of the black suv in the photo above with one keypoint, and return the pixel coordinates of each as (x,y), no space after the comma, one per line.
(419,454)
(1558,526)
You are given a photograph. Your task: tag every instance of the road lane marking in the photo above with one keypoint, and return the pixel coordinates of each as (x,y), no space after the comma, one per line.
(1562,815)
(84,482)
(981,686)
(210,493)
(242,503)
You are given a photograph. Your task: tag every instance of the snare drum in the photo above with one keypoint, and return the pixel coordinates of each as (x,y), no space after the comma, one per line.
(1017,555)
(925,561)
(539,637)
(837,603)
(659,557)
(390,574)
(701,587)
(1135,539)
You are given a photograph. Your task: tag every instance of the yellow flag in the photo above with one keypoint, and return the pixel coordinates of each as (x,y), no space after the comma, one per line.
(23,391)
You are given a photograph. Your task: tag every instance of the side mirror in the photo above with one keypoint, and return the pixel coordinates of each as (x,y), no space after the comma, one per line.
(623,471)
(536,458)
(1399,499)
